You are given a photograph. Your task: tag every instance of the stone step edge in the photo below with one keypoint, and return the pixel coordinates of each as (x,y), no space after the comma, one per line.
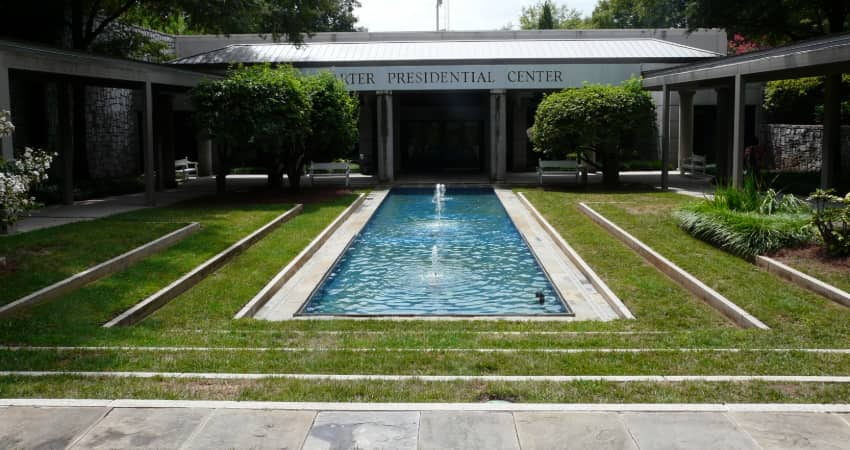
(101,270)
(693,285)
(804,280)
(364,406)
(144,308)
(267,292)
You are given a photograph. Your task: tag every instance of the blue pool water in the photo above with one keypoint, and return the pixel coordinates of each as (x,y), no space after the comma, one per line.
(421,256)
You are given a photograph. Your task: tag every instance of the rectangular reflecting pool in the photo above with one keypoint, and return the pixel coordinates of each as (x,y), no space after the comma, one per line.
(426,252)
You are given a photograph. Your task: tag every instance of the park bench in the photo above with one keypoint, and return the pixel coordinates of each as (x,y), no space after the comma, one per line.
(330,170)
(695,164)
(560,167)
(185,169)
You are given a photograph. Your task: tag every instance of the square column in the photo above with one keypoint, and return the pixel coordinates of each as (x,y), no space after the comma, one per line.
(386,151)
(150,183)
(739,118)
(665,134)
(686,125)
(831,143)
(205,154)
(722,134)
(498,135)
(5,104)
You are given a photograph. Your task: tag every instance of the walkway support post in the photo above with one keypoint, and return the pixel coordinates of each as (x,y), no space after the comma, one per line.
(831,144)
(498,135)
(385,137)
(739,122)
(5,104)
(150,183)
(665,134)
(686,126)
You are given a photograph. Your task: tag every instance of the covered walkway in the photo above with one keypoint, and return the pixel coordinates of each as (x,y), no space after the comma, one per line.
(729,76)
(83,69)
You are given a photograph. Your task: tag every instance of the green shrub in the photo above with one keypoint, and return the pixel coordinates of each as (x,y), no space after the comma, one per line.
(748,222)
(833,223)
(800,100)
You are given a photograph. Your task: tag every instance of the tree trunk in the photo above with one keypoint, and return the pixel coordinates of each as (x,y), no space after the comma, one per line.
(294,169)
(223,169)
(610,166)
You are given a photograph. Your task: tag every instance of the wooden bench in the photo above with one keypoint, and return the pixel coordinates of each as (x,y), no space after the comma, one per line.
(185,169)
(695,164)
(330,170)
(560,167)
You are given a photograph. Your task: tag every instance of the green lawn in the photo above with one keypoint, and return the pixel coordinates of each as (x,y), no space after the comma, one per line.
(668,318)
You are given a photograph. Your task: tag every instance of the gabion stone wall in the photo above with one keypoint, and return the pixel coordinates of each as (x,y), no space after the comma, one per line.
(798,147)
(112,132)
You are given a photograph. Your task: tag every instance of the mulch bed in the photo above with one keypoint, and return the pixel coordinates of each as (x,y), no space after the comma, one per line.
(814,253)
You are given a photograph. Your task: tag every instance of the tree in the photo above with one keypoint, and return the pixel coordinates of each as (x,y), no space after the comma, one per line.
(257,108)
(333,123)
(546,15)
(608,119)
(640,14)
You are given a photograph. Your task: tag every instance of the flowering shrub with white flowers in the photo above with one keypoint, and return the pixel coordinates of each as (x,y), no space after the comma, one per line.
(18,176)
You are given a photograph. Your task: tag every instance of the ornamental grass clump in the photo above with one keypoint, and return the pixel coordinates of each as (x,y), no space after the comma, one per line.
(748,222)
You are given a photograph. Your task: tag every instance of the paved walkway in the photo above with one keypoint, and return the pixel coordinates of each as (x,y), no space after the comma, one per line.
(182,424)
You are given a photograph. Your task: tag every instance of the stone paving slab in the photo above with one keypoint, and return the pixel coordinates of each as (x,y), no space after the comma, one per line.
(33,427)
(467,430)
(683,431)
(591,431)
(363,430)
(144,427)
(237,428)
(795,430)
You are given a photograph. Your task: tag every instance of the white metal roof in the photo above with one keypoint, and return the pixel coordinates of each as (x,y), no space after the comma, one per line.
(426,52)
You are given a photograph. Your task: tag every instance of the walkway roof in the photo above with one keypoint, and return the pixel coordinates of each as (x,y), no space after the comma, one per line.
(821,56)
(324,54)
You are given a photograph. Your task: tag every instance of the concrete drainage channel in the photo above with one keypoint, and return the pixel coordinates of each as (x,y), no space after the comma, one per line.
(693,285)
(99,271)
(147,306)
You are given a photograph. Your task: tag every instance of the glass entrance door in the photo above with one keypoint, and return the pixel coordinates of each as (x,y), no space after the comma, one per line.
(442,146)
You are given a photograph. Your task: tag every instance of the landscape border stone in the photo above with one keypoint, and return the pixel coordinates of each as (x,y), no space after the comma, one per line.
(677,274)
(803,280)
(147,306)
(101,270)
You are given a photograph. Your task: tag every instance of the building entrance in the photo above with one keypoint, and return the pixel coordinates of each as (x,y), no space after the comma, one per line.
(443,133)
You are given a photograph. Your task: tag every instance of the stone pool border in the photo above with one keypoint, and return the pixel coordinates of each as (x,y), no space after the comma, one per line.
(101,270)
(613,300)
(144,308)
(693,285)
(804,280)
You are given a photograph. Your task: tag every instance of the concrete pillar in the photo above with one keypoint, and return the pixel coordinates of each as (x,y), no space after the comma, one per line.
(498,135)
(386,149)
(738,129)
(665,134)
(831,146)
(722,135)
(150,183)
(686,125)
(6,143)
(66,141)
(205,154)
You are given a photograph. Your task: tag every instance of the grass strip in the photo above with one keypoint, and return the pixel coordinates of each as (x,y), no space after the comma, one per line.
(419,391)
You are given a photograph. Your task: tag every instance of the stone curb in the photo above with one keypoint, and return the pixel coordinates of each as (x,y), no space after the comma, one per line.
(334,406)
(841,379)
(268,291)
(101,270)
(616,304)
(734,312)
(803,280)
(147,306)
(835,351)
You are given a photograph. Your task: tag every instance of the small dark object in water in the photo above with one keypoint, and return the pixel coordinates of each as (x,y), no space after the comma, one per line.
(540,297)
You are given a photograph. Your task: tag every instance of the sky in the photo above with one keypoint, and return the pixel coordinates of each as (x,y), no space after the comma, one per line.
(419,15)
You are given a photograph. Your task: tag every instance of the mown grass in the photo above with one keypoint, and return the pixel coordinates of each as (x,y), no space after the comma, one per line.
(203,317)
(421,391)
(43,257)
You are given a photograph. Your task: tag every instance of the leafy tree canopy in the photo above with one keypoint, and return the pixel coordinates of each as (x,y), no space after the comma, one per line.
(800,100)
(546,14)
(608,119)
(771,21)
(640,14)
